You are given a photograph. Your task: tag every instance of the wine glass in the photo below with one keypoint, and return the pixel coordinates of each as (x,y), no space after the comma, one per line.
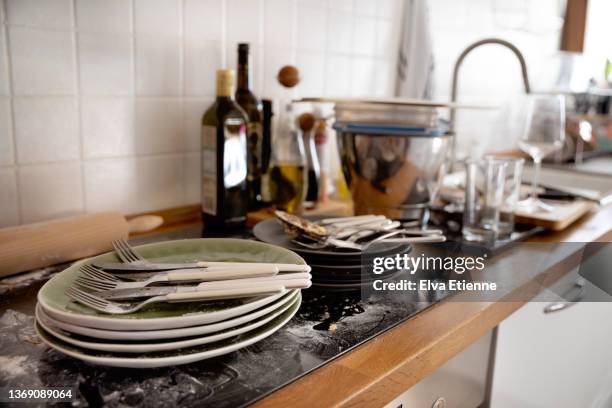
(544,134)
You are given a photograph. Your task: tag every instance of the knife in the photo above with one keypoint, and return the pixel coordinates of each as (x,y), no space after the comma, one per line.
(297,282)
(151,266)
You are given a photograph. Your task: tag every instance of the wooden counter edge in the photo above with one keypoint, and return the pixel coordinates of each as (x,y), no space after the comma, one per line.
(378,371)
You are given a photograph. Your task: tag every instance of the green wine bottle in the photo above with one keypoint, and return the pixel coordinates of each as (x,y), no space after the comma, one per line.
(224,160)
(251,105)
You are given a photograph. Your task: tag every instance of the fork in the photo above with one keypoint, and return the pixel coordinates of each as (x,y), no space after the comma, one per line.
(107,306)
(97,279)
(132,260)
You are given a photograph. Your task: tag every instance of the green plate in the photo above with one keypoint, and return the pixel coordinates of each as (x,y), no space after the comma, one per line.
(56,304)
(173,357)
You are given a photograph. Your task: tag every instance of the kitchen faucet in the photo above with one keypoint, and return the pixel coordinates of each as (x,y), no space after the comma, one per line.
(458,63)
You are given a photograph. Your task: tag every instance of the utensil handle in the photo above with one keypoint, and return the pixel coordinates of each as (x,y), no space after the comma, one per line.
(222,273)
(214,294)
(282,267)
(291,283)
(416,240)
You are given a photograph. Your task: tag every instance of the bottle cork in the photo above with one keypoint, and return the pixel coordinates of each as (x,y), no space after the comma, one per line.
(225,82)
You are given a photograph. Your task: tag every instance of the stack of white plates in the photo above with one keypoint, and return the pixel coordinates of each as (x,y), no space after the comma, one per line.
(167,334)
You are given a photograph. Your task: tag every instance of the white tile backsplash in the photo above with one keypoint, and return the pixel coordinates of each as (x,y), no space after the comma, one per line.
(42,61)
(105,62)
(159,182)
(157,16)
(312,70)
(243,19)
(101,101)
(46,129)
(340,31)
(50,191)
(9,205)
(312,28)
(6,133)
(158,126)
(203,20)
(111,184)
(4,78)
(40,13)
(108,16)
(279,22)
(193,110)
(338,75)
(158,65)
(202,59)
(364,39)
(192,169)
(107,127)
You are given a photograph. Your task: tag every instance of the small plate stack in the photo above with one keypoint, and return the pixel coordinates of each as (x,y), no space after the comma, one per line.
(332,268)
(164,334)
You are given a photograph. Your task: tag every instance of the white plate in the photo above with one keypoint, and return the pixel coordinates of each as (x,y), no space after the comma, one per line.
(164,346)
(57,305)
(168,358)
(142,335)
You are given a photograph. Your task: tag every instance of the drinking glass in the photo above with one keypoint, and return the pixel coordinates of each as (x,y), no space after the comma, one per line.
(484,188)
(544,134)
(511,192)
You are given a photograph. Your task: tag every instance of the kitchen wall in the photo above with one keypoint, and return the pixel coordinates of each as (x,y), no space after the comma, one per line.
(100,100)
(491,74)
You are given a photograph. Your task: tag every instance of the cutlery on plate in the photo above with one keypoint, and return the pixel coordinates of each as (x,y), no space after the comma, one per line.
(111,307)
(106,281)
(387,238)
(122,294)
(132,260)
(159,267)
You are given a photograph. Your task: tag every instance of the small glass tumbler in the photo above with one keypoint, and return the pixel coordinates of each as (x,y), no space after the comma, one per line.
(484,190)
(511,194)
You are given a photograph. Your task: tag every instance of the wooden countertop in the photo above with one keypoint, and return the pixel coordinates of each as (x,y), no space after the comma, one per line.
(383,368)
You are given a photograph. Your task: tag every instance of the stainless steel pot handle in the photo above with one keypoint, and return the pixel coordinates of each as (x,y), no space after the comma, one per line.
(559,306)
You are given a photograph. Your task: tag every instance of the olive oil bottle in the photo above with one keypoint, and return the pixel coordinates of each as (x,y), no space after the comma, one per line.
(224,160)
(287,166)
(252,107)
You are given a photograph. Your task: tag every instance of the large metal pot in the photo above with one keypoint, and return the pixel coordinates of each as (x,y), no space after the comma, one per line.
(395,173)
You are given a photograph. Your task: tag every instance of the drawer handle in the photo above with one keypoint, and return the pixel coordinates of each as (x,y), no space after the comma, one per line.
(439,403)
(559,306)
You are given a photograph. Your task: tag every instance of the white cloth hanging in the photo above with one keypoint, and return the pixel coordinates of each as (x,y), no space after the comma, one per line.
(415,61)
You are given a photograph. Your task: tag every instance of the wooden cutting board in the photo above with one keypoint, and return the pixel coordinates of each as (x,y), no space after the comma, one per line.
(564,214)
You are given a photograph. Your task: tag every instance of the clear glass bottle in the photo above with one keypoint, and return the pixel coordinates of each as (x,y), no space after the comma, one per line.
(288,165)
(312,189)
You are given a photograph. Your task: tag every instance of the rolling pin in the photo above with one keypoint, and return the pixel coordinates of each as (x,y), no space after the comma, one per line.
(41,244)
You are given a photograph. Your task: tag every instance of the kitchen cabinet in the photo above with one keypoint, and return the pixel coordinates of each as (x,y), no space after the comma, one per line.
(559,359)
(460,383)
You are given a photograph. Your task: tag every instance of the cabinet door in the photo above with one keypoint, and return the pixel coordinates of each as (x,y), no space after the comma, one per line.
(460,383)
(560,359)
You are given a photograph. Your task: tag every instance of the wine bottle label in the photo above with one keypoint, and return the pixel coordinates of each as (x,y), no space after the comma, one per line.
(209,170)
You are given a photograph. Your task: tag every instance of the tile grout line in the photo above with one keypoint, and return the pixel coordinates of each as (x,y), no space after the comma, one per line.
(9,68)
(224,62)
(135,125)
(182,93)
(77,71)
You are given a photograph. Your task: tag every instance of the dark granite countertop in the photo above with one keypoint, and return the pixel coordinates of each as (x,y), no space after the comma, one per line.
(326,325)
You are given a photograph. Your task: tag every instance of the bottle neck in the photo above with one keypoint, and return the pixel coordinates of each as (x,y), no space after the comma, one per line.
(244,76)
(244,72)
